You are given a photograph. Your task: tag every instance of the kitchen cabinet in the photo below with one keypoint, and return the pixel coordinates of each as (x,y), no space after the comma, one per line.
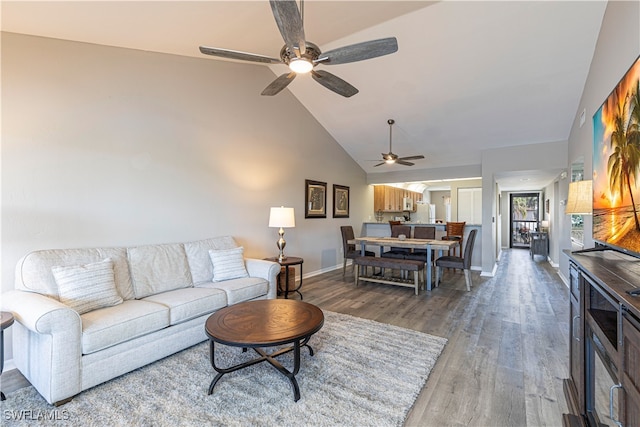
(470,205)
(390,199)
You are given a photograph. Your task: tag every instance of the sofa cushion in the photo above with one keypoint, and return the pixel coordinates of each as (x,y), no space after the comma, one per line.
(87,287)
(228,264)
(33,271)
(239,290)
(109,326)
(158,268)
(199,259)
(186,304)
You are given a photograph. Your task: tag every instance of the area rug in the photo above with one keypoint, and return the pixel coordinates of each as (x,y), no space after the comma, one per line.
(363,373)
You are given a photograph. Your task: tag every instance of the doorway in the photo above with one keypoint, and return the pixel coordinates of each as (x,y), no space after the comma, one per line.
(525,210)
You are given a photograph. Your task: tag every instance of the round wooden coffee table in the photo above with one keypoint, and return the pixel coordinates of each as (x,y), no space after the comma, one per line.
(264,323)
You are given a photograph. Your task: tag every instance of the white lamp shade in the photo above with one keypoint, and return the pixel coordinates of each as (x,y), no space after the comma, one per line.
(282,217)
(579,201)
(544,224)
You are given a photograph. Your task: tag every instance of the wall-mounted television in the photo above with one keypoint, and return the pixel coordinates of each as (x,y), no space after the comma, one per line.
(616,166)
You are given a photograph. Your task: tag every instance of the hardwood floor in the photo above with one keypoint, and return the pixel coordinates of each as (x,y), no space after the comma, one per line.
(508,348)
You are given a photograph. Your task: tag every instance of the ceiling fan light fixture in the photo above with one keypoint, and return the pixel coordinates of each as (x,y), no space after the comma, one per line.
(300,65)
(392,159)
(301,56)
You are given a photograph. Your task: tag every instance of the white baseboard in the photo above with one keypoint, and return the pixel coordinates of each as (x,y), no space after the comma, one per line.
(324,270)
(9,365)
(490,273)
(564,279)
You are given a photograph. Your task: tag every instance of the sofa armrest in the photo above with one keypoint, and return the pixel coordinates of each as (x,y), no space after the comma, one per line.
(40,313)
(267,270)
(47,340)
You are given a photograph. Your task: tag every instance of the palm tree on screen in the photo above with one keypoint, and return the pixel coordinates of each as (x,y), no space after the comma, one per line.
(624,162)
(633,136)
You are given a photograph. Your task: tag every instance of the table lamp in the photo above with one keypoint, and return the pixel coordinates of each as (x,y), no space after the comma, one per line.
(580,198)
(283,218)
(544,226)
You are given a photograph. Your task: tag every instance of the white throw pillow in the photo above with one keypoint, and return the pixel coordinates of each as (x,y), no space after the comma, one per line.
(87,287)
(228,264)
(158,268)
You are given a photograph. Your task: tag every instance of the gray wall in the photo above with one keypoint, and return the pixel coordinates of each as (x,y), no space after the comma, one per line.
(113,147)
(552,155)
(617,48)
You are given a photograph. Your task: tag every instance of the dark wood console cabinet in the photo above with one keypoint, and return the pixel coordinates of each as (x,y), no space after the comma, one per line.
(604,351)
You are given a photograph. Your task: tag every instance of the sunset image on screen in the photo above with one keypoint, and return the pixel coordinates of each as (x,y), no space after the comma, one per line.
(616,165)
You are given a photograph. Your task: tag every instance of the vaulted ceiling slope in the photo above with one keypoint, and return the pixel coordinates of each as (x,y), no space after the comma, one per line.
(468,76)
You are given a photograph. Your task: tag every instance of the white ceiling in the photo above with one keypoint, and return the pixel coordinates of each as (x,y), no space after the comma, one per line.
(468,75)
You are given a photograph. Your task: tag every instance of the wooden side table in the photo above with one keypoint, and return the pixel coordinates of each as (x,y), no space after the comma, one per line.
(288,262)
(539,242)
(6,319)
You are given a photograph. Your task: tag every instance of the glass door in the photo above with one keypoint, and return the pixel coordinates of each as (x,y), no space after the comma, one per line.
(524,218)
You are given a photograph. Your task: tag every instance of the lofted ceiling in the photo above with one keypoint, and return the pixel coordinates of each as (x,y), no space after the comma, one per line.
(468,75)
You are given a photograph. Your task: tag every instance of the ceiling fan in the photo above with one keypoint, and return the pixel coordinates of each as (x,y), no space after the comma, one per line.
(302,56)
(391,158)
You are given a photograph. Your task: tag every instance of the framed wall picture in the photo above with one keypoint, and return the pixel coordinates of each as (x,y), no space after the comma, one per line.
(315,199)
(340,201)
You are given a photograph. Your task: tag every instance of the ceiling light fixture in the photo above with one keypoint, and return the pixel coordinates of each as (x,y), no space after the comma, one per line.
(392,159)
(300,65)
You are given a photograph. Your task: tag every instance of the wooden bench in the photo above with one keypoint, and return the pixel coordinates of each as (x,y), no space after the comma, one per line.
(390,263)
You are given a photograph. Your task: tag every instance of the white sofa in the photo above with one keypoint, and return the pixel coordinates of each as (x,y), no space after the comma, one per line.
(164,295)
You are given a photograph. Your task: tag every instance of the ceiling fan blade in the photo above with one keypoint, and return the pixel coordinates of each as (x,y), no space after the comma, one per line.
(412,157)
(334,83)
(359,51)
(236,54)
(402,162)
(379,164)
(278,84)
(289,23)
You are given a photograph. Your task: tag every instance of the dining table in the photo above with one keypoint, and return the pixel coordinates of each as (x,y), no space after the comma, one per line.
(396,242)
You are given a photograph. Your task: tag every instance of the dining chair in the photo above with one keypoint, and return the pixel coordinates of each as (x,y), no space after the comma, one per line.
(455,231)
(422,233)
(462,263)
(398,253)
(349,249)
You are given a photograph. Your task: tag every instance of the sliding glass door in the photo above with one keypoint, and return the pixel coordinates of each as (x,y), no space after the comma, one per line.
(525,210)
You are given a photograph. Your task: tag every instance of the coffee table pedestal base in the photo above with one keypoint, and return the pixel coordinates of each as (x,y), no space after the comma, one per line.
(271,358)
